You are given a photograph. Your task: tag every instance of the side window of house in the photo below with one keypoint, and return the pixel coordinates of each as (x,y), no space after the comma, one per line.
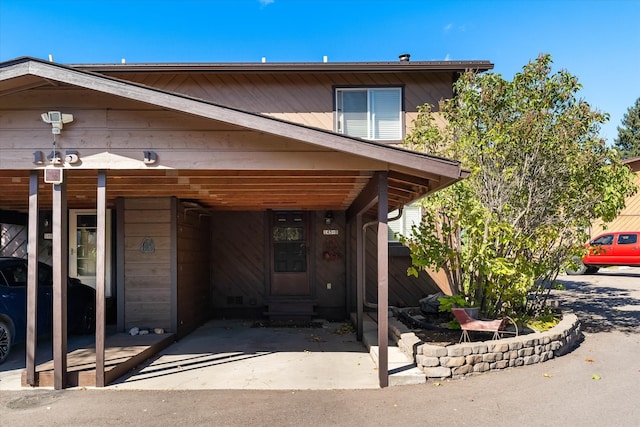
(411,215)
(370,113)
(627,239)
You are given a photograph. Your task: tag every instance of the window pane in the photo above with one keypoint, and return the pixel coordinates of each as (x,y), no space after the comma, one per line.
(627,239)
(385,112)
(354,113)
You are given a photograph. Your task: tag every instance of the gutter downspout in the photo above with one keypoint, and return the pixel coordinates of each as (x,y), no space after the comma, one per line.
(364,248)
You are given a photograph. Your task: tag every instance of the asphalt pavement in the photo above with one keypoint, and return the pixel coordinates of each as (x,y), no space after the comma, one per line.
(597,384)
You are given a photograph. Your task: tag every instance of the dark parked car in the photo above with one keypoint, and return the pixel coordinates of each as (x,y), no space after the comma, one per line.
(13,303)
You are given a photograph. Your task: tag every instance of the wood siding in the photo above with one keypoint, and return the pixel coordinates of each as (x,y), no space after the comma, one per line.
(147,276)
(329,266)
(238,263)
(305,98)
(629,217)
(13,240)
(193,251)
(404,291)
(240,272)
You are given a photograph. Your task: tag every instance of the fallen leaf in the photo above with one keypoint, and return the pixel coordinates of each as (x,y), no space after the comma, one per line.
(590,360)
(437,384)
(595,377)
(547,375)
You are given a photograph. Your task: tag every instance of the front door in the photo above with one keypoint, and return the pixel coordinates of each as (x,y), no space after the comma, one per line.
(289,254)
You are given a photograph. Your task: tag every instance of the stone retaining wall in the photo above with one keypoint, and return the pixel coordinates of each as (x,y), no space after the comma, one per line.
(474,357)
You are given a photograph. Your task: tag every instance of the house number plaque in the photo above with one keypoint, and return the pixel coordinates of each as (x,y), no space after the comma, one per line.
(147,246)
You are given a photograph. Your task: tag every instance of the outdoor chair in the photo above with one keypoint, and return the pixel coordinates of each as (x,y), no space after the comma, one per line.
(469,323)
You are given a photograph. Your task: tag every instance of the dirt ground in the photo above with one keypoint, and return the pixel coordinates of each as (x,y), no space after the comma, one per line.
(437,332)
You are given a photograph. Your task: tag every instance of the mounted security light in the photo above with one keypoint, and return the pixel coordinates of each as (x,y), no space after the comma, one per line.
(57,120)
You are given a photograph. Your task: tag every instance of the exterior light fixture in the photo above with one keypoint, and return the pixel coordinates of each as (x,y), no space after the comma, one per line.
(57,120)
(328,218)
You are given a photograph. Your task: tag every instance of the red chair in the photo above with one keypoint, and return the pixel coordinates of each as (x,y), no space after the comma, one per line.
(468,323)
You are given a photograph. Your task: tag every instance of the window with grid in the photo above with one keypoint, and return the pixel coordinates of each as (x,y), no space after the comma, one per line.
(370,113)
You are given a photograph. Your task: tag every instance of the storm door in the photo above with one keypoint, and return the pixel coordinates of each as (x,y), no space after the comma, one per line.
(83,229)
(290,254)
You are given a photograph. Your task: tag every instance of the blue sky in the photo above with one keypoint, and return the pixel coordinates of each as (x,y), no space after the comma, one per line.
(596,40)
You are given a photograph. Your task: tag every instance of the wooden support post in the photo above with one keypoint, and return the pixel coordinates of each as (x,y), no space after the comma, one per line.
(348,258)
(120,306)
(174,266)
(32,280)
(101,256)
(60,237)
(360,254)
(383,281)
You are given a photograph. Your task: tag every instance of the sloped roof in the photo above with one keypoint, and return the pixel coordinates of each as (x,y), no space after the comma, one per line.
(416,174)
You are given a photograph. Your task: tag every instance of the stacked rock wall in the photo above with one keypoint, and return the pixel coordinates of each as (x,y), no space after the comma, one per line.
(476,357)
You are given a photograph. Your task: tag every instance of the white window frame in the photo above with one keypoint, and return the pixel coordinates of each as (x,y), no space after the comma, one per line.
(371,119)
(89,280)
(411,214)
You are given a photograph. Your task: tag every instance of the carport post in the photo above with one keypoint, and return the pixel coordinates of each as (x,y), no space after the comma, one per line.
(359,277)
(383,281)
(32,280)
(60,237)
(101,213)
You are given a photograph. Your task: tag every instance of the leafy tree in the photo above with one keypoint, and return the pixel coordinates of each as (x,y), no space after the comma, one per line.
(539,174)
(628,140)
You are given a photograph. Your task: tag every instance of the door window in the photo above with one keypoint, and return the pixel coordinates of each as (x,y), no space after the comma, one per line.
(627,239)
(290,254)
(607,239)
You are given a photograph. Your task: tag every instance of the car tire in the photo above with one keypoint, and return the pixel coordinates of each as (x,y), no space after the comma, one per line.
(87,324)
(581,268)
(592,270)
(5,341)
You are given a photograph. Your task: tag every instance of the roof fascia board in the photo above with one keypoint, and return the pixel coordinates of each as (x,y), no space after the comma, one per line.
(393,157)
(318,67)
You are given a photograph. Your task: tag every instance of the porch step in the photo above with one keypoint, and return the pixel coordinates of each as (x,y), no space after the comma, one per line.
(290,308)
(402,370)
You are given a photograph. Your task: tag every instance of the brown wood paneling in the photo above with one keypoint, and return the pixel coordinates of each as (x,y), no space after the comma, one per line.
(627,220)
(330,266)
(147,276)
(194,278)
(305,98)
(237,262)
(13,240)
(404,291)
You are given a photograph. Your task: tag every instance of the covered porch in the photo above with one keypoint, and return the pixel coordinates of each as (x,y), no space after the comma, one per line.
(167,164)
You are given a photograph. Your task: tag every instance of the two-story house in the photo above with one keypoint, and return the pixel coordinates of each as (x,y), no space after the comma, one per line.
(227,189)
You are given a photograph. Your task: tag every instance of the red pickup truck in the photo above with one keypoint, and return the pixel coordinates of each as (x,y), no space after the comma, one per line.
(616,248)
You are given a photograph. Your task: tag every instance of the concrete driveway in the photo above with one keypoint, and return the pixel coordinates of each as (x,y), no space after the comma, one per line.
(231,354)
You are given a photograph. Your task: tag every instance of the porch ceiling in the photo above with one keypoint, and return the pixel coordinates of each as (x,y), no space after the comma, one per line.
(214,190)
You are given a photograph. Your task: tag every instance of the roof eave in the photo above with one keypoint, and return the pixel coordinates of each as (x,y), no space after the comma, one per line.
(316,67)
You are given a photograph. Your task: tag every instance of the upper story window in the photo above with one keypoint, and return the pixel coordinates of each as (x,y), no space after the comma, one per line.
(370,113)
